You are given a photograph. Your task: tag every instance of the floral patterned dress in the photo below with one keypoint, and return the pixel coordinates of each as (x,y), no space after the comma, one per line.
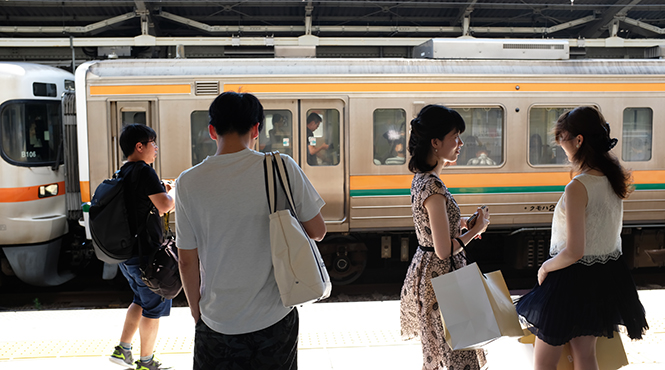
(419,311)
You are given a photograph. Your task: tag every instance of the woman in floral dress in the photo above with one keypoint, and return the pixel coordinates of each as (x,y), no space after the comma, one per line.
(434,143)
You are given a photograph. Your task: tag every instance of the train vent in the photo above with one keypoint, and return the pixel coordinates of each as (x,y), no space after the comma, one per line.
(533,46)
(207,87)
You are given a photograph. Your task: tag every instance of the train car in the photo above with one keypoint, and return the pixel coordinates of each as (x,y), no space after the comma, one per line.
(509,161)
(33,204)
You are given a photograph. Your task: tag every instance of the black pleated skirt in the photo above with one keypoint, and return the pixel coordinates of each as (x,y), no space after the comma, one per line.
(582,300)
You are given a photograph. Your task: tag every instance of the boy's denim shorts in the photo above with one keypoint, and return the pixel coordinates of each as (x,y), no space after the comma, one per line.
(154,306)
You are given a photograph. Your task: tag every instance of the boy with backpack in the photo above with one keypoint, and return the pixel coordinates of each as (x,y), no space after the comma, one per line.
(142,190)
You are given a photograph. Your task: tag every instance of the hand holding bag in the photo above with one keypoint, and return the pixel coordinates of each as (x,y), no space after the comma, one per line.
(300,272)
(475,308)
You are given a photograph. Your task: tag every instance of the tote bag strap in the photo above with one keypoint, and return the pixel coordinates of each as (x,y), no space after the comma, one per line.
(271,186)
(452,261)
(463,253)
(284,180)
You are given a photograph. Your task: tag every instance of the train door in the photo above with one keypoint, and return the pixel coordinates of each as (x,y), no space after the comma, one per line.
(322,155)
(125,113)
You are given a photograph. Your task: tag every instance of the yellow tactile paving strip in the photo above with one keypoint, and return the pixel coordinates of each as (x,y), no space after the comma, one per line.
(340,339)
(178,345)
(84,347)
(320,329)
(637,351)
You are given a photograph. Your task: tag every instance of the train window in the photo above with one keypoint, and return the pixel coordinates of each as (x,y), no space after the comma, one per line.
(483,137)
(32,132)
(44,89)
(202,144)
(636,138)
(389,137)
(276,133)
(130,118)
(323,128)
(542,147)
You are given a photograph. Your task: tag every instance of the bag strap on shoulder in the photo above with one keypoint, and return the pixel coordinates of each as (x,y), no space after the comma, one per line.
(274,163)
(271,186)
(133,177)
(284,181)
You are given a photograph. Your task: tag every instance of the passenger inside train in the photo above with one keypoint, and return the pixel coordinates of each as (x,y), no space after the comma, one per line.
(279,136)
(316,149)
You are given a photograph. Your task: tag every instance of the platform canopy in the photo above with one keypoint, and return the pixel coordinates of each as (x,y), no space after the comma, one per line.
(34,30)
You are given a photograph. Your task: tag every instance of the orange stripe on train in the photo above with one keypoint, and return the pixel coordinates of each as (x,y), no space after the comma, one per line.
(464,180)
(26,194)
(140,89)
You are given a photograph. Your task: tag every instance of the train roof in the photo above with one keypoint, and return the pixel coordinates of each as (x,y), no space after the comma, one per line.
(276,67)
(24,68)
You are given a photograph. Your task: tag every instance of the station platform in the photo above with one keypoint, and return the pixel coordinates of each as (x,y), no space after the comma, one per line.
(349,335)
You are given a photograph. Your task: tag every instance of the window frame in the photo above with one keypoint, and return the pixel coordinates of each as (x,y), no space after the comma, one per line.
(528,130)
(623,135)
(406,136)
(12,161)
(191,136)
(313,108)
(291,131)
(504,127)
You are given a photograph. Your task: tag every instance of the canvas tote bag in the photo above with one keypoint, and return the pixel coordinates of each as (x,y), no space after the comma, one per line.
(475,308)
(300,272)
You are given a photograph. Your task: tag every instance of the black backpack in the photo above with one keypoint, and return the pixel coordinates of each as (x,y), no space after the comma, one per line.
(112,238)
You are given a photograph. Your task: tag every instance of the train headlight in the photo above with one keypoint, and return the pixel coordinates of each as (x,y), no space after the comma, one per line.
(48,190)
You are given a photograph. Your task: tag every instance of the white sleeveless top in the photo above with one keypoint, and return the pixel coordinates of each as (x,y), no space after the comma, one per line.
(603,222)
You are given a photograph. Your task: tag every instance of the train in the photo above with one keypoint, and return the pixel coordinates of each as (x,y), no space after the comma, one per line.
(34,202)
(509,161)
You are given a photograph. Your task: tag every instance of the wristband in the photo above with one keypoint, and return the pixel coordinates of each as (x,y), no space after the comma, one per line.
(461,243)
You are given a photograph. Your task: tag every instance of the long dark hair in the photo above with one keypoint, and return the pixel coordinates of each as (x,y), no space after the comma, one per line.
(594,152)
(432,122)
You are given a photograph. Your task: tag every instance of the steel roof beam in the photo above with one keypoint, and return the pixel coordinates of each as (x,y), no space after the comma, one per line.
(83,29)
(371,29)
(465,11)
(646,26)
(147,23)
(570,24)
(596,29)
(276,41)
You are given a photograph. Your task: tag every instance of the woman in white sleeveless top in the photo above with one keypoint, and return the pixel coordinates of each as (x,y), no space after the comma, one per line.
(585,290)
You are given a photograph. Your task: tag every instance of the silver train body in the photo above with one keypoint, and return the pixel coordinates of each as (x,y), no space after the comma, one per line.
(508,162)
(33,200)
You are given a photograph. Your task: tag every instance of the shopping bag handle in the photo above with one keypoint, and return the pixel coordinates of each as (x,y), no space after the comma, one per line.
(463,254)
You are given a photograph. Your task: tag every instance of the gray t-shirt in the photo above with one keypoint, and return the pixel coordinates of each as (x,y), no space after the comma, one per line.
(222,211)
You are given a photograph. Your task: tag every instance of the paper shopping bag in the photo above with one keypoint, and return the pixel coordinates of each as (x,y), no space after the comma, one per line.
(475,309)
(610,353)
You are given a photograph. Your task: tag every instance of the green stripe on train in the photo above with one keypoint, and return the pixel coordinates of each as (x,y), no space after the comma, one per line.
(488,190)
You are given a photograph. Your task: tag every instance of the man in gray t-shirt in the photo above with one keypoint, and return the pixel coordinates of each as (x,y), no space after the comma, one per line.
(222,228)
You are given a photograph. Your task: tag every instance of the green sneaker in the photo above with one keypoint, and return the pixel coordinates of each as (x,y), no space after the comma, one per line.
(122,357)
(151,365)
